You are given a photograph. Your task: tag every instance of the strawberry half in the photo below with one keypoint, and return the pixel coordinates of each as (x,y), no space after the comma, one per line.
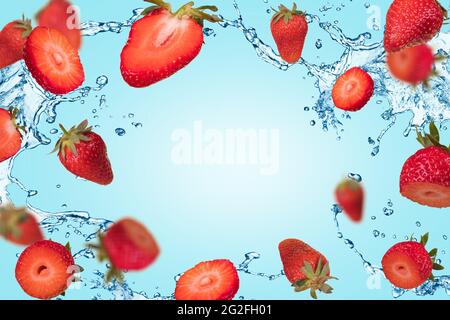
(53,61)
(350,197)
(407,265)
(353,90)
(425,176)
(18,226)
(163,42)
(305,267)
(44,269)
(57,14)
(289,29)
(210,280)
(84,154)
(12,40)
(10,134)
(412,22)
(129,246)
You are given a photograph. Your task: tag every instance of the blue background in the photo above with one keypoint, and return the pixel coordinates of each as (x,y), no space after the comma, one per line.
(201,213)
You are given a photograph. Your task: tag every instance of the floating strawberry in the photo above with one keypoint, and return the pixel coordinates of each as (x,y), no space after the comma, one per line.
(412,22)
(19,226)
(412,65)
(163,42)
(12,40)
(62,16)
(425,177)
(353,90)
(129,246)
(289,29)
(52,61)
(44,270)
(10,134)
(305,268)
(210,280)
(407,265)
(84,154)
(350,197)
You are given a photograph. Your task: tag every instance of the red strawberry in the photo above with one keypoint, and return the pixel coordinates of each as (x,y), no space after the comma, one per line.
(425,177)
(412,22)
(350,197)
(12,40)
(43,269)
(305,267)
(84,154)
(412,65)
(10,136)
(129,246)
(407,265)
(353,90)
(62,16)
(289,29)
(210,280)
(18,226)
(163,42)
(52,61)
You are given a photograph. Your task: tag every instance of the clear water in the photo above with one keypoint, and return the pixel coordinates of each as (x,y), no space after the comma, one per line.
(17,88)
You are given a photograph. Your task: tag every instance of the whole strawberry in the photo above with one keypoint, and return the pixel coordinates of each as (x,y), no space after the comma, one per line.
(289,29)
(10,134)
(18,226)
(425,177)
(412,22)
(350,197)
(13,38)
(408,264)
(305,268)
(84,154)
(163,42)
(128,245)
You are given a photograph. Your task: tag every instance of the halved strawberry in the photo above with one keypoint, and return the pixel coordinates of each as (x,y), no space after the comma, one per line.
(19,226)
(211,280)
(10,136)
(53,61)
(353,90)
(43,269)
(163,42)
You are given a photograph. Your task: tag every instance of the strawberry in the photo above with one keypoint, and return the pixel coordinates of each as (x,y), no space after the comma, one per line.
(425,177)
(305,267)
(289,29)
(129,246)
(163,42)
(52,61)
(412,65)
(210,280)
(12,40)
(84,154)
(10,135)
(350,197)
(18,226)
(59,15)
(353,90)
(44,269)
(407,265)
(412,22)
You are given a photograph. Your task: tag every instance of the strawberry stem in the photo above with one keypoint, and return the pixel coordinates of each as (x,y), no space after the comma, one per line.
(430,139)
(284,13)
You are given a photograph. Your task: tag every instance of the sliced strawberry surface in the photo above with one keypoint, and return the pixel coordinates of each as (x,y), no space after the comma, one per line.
(10,137)
(211,280)
(53,61)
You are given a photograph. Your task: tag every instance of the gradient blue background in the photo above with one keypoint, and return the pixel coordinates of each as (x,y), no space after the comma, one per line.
(201,213)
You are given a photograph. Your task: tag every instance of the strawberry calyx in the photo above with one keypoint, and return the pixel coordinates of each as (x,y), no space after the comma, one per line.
(14,113)
(284,13)
(315,279)
(187,10)
(444,10)
(10,220)
(431,139)
(72,137)
(113,273)
(433,255)
(24,24)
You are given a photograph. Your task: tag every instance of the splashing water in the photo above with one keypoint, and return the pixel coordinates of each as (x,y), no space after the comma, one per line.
(18,89)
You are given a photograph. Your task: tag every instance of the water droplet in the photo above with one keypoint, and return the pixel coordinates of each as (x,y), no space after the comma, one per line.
(376,233)
(120,132)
